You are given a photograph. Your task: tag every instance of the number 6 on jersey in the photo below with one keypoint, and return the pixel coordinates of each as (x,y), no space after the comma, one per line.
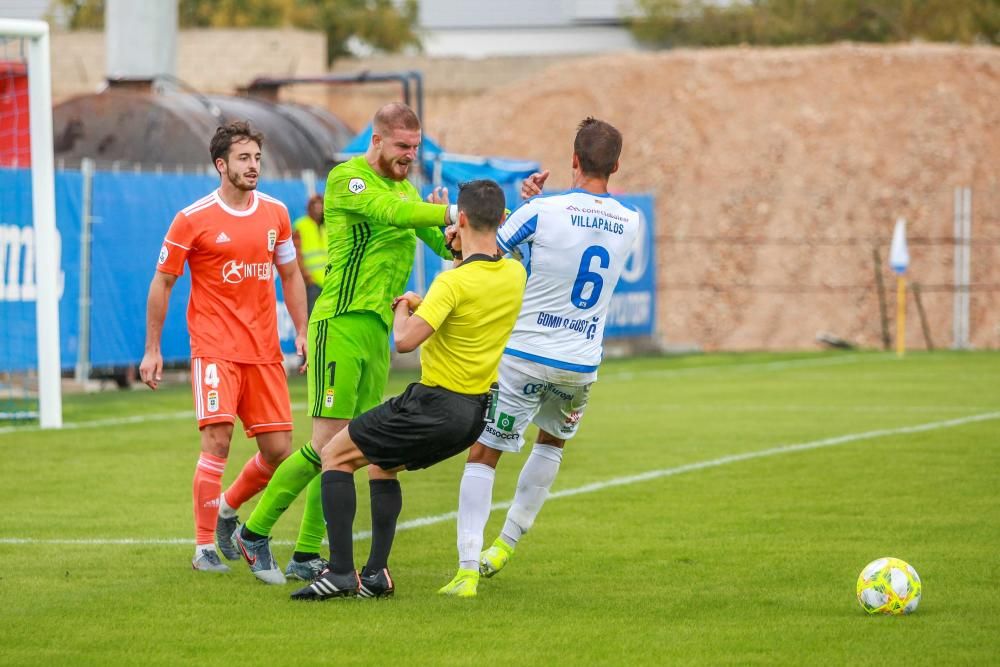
(585,276)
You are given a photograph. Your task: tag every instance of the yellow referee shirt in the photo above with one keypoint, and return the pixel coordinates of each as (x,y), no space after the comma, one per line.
(472,308)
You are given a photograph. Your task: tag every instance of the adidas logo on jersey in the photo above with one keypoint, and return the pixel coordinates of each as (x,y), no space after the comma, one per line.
(222,238)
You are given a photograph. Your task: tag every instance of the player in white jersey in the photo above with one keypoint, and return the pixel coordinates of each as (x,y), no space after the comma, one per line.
(578,242)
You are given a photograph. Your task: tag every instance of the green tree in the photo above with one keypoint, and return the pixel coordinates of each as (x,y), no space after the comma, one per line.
(704,23)
(383,24)
(81,14)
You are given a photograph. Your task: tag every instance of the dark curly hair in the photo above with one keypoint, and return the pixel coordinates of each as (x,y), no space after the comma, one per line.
(225,135)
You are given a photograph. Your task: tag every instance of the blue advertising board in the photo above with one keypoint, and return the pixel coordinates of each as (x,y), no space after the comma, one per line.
(130,215)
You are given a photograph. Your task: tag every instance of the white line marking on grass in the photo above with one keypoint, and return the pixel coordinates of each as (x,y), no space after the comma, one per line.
(743,368)
(118,421)
(588,488)
(623,375)
(839,409)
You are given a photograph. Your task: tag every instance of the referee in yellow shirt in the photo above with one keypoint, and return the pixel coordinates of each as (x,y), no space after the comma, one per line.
(465,319)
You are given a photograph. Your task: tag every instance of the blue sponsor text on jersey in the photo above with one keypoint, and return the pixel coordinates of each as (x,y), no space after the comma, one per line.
(597,222)
(585,326)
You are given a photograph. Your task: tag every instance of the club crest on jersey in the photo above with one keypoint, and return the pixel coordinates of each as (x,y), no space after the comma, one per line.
(356,185)
(328,402)
(164,253)
(212,401)
(272,239)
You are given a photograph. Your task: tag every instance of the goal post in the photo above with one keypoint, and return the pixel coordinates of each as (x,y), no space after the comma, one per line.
(46,245)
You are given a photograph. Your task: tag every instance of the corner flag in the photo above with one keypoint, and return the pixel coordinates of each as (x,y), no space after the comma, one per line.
(899,260)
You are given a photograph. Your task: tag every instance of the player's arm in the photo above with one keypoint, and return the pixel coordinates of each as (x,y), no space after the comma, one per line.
(532,185)
(409,330)
(177,245)
(347,191)
(151,368)
(416,319)
(518,228)
(299,257)
(293,287)
(434,238)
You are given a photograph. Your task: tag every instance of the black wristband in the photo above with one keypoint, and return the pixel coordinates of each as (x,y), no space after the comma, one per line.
(457,254)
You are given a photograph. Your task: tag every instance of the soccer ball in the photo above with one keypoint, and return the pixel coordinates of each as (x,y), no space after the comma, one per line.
(889,586)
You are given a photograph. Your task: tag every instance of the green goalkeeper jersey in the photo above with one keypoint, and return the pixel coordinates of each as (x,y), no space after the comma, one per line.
(372,225)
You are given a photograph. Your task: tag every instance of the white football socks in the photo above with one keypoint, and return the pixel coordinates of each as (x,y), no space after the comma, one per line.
(533,486)
(475,496)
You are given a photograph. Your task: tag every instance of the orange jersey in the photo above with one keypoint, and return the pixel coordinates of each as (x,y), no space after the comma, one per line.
(232,313)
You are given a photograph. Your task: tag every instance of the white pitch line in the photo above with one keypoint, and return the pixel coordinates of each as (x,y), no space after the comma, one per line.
(623,375)
(118,421)
(586,488)
(742,368)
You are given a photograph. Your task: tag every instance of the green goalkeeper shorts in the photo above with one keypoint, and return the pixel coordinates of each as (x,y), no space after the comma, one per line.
(348,364)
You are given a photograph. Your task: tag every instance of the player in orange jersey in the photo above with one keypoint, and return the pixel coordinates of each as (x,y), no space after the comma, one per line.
(231,239)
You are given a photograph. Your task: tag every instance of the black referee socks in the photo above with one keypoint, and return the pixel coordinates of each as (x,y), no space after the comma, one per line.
(340,503)
(387,501)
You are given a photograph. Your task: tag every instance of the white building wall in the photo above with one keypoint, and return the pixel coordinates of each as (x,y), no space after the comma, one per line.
(485,28)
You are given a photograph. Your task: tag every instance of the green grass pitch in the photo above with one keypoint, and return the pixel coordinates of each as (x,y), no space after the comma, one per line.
(714,509)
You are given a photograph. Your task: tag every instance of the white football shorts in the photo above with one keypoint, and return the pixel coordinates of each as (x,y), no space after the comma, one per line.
(556,408)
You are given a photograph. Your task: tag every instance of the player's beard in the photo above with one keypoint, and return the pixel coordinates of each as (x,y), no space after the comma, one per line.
(240,183)
(389,168)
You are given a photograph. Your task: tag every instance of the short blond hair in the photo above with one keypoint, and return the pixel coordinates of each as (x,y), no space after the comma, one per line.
(394,116)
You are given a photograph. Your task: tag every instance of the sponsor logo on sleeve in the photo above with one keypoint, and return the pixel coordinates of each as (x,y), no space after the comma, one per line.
(164,253)
(356,185)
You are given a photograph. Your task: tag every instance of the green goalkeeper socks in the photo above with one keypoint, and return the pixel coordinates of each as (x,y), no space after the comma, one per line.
(289,479)
(312,530)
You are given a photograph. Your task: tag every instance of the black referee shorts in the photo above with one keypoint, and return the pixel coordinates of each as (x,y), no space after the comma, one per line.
(420,427)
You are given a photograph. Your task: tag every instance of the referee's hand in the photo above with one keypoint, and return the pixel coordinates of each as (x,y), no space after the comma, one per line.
(411,299)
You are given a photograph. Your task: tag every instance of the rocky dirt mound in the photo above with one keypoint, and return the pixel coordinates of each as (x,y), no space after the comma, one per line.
(776,171)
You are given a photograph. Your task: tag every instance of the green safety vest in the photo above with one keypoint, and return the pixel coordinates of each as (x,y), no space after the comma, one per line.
(312,237)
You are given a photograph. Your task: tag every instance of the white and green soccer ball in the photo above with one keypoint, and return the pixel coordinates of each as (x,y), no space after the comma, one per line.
(889,586)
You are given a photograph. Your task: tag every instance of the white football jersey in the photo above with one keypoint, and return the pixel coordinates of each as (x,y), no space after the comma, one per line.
(578,244)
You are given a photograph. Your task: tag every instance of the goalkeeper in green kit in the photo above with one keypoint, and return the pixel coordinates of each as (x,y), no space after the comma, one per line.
(373,217)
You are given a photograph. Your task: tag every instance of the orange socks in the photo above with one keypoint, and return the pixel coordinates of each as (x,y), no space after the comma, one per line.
(206,489)
(252,480)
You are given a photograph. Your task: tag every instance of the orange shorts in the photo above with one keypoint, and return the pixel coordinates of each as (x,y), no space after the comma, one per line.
(256,393)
